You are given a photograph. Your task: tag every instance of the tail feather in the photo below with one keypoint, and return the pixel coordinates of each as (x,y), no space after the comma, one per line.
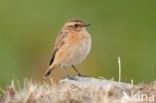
(47,73)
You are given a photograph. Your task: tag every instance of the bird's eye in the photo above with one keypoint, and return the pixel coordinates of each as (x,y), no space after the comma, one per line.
(76,25)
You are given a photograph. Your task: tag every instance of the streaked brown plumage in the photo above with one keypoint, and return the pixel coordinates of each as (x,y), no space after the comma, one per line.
(72,45)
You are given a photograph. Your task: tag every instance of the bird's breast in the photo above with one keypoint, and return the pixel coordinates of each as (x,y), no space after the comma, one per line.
(78,49)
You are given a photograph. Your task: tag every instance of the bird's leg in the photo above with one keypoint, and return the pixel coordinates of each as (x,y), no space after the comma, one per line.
(79,74)
(68,76)
(66,72)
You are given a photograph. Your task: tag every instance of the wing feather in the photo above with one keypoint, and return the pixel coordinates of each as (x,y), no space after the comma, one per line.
(53,55)
(60,41)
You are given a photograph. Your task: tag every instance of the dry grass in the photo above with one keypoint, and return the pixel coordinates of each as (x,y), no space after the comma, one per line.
(76,90)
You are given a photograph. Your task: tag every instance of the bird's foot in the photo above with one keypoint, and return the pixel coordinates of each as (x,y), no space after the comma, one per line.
(81,75)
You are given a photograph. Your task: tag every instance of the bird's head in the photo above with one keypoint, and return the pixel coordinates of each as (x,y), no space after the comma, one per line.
(75,25)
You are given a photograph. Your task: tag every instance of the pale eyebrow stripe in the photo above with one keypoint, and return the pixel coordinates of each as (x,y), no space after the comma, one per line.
(71,24)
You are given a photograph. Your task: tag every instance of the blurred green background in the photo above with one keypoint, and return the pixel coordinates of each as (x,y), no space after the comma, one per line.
(125,28)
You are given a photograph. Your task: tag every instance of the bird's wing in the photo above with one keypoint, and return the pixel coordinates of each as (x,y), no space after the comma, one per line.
(60,39)
(53,55)
(58,44)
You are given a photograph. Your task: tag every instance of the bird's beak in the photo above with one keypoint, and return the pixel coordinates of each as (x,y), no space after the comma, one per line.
(87,25)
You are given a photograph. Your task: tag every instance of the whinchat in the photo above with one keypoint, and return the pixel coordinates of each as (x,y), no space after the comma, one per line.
(72,46)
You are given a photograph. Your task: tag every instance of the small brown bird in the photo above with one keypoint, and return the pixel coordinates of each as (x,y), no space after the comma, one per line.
(72,46)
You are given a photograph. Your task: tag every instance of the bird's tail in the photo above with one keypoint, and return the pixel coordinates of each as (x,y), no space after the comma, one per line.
(48,72)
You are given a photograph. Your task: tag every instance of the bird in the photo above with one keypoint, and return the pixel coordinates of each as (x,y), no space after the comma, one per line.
(71,47)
